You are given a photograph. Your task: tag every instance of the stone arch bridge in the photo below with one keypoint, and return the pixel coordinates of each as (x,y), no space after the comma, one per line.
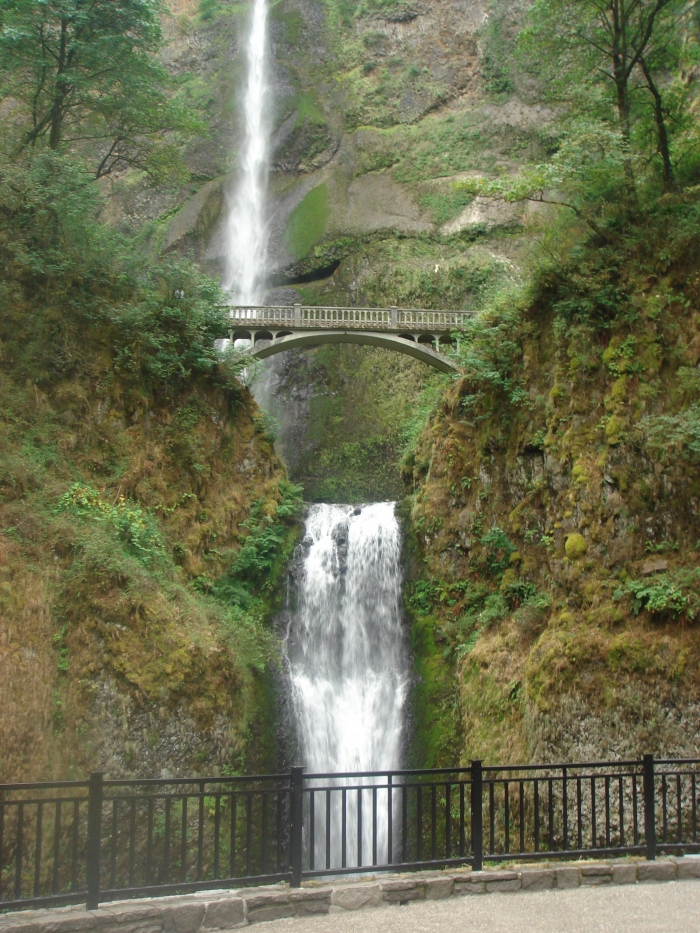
(425,335)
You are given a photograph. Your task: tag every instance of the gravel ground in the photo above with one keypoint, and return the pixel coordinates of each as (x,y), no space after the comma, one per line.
(650,908)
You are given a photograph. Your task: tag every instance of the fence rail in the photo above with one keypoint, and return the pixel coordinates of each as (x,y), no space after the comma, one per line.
(99,840)
(318,318)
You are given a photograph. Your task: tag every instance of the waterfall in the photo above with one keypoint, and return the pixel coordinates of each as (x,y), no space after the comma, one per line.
(246,234)
(348,660)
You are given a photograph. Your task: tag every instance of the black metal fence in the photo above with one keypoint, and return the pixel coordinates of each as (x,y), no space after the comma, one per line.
(99,840)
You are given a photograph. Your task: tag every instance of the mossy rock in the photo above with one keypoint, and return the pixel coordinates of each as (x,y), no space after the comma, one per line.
(575,546)
(614,430)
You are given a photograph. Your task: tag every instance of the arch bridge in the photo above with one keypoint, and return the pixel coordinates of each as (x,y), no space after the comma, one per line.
(424,335)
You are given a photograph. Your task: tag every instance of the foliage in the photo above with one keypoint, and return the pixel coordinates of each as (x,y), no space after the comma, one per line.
(135,527)
(585,175)
(498,549)
(677,433)
(601,55)
(259,554)
(72,282)
(676,594)
(86,77)
(489,354)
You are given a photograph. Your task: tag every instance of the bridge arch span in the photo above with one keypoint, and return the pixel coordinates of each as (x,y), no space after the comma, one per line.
(419,351)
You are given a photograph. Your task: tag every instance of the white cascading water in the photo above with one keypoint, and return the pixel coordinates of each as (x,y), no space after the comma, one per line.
(246,233)
(348,662)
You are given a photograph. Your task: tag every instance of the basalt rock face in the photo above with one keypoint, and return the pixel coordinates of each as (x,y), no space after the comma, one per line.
(118,512)
(558,523)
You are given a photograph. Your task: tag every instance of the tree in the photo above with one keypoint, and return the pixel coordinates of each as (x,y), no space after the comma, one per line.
(613,42)
(84,74)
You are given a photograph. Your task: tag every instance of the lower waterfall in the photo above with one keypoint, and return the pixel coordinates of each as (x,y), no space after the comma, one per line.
(348,662)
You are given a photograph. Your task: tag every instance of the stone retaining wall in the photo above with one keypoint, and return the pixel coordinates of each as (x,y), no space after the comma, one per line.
(228,910)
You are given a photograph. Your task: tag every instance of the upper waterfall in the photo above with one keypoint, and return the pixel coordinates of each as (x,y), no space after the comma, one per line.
(246,233)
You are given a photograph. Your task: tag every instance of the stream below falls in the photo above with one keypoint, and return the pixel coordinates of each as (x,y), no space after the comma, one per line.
(349,664)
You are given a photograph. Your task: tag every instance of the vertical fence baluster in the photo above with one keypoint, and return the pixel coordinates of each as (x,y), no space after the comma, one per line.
(694,811)
(448,821)
(664,810)
(579,827)
(462,833)
(521,807)
(232,842)
(565,811)
(19,853)
(594,830)
(263,830)
(607,810)
(359,826)
(132,841)
(166,841)
(477,815)
(217,834)
(433,822)
(56,849)
(492,819)
(344,828)
(679,808)
(419,820)
(312,831)
(649,807)
(249,833)
(93,848)
(279,831)
(506,816)
(404,823)
(183,840)
(328,829)
(75,846)
(114,840)
(550,804)
(374,825)
(635,814)
(149,842)
(37,850)
(200,832)
(621,808)
(390,821)
(296,830)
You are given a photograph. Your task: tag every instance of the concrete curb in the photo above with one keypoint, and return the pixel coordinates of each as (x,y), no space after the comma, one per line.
(213,911)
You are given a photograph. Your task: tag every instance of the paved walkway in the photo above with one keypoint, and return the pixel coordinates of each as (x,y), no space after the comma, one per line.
(652,908)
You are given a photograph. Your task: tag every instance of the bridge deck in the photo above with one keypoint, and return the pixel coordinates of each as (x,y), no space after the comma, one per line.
(300,317)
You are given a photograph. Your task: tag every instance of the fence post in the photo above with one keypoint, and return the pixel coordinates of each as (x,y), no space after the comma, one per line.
(297,315)
(296,821)
(649,808)
(477,817)
(94,841)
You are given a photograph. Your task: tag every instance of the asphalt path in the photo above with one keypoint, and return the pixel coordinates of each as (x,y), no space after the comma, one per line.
(673,907)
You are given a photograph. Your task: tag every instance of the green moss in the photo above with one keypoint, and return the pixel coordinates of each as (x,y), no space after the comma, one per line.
(575,547)
(308,221)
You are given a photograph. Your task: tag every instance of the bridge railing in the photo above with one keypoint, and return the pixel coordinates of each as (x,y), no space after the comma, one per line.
(317,318)
(102,840)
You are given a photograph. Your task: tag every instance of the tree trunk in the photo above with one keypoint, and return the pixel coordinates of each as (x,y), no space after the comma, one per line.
(60,90)
(661,131)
